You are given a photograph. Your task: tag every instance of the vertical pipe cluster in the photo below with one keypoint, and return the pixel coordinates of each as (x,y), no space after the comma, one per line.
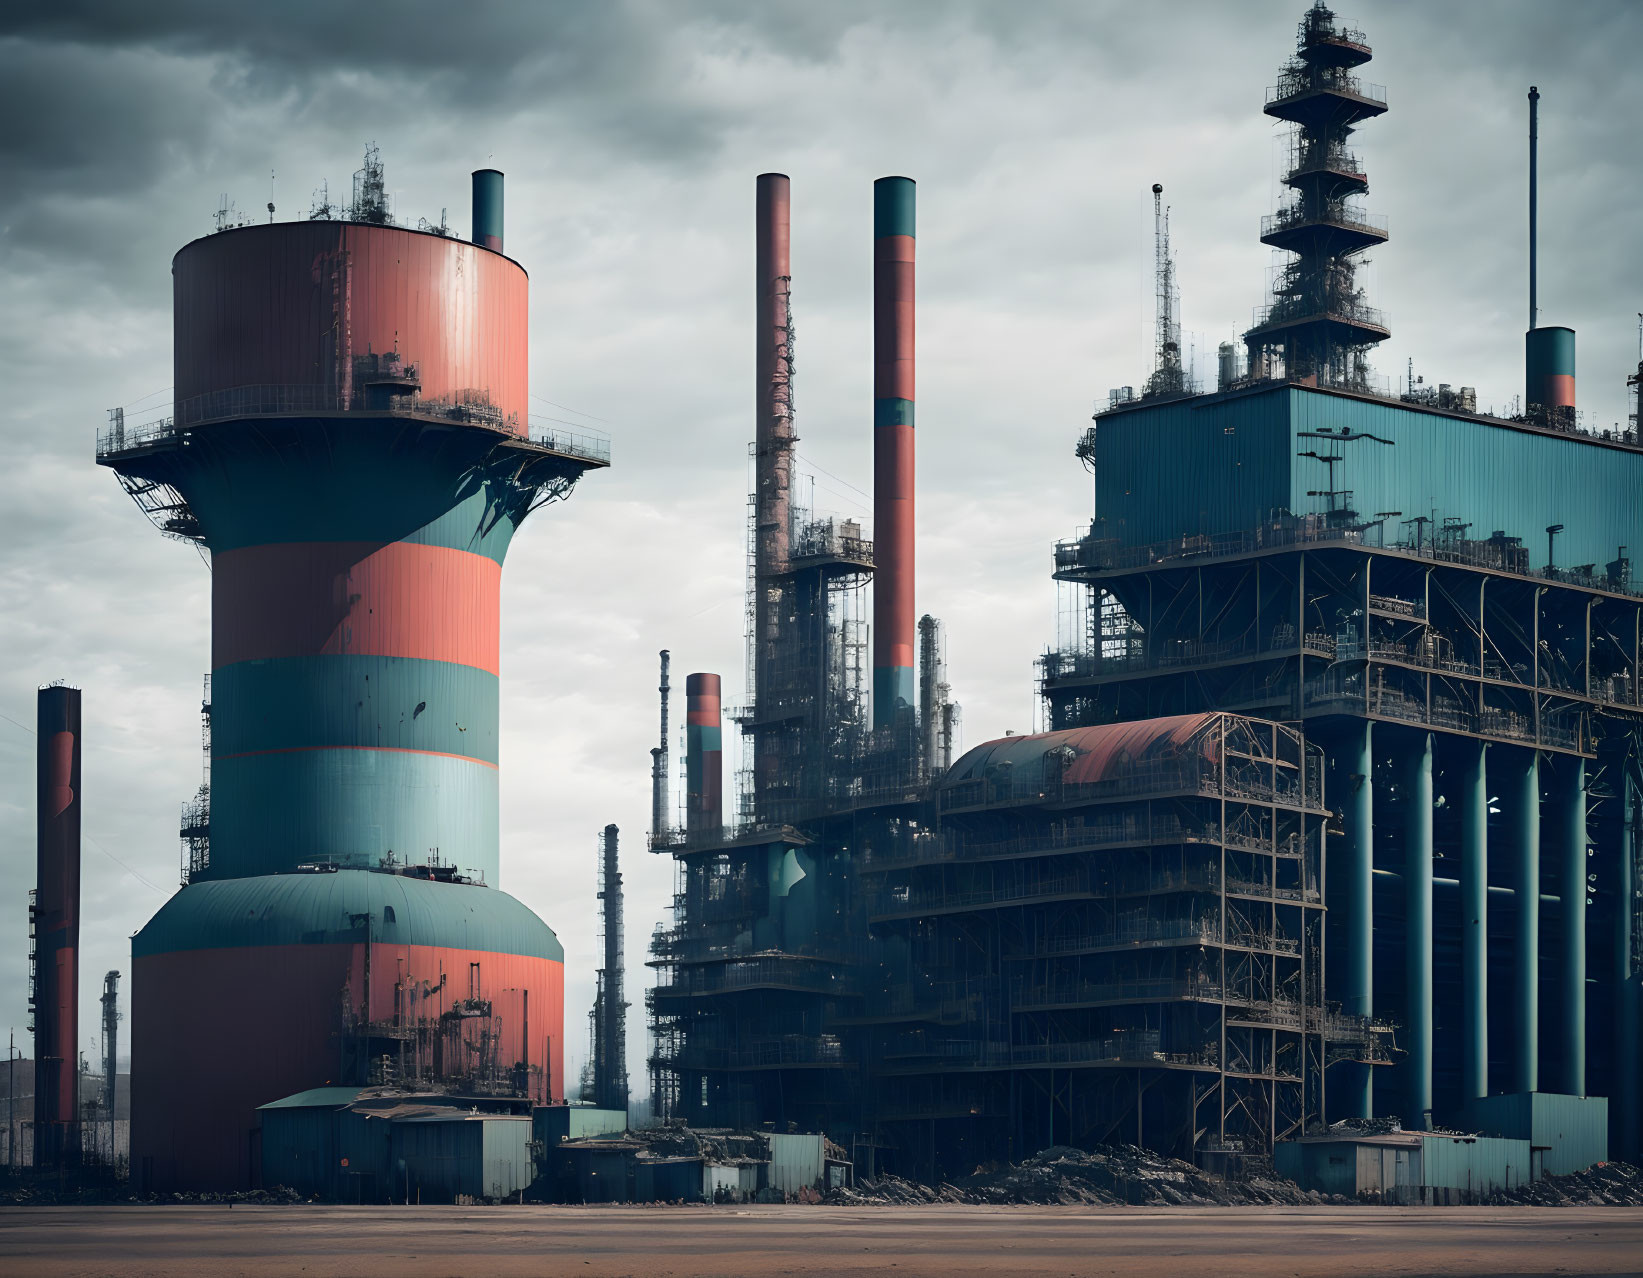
(893,638)
(774,436)
(1523,798)
(111,1042)
(610,1083)
(1418,930)
(55,918)
(704,757)
(487,210)
(659,822)
(1573,891)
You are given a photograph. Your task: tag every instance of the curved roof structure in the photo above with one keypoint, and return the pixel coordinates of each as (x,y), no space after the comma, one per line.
(1097,752)
(314,909)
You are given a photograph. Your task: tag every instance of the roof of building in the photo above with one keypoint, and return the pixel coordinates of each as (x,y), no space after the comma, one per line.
(316,1098)
(319,908)
(1097,752)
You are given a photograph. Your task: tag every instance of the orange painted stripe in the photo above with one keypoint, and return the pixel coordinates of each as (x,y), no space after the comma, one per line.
(438,754)
(394,599)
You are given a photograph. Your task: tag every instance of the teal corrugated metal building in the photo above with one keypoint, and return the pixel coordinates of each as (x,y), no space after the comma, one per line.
(1229,463)
(1568,1133)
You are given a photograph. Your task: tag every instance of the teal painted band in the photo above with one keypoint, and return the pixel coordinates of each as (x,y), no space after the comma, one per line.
(372,703)
(704,739)
(313,909)
(893,206)
(893,687)
(892,412)
(273,812)
(1550,352)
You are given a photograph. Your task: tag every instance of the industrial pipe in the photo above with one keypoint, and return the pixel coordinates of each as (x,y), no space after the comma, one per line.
(54,919)
(1573,891)
(704,758)
(1418,931)
(1357,988)
(1474,923)
(1521,800)
(893,637)
(487,211)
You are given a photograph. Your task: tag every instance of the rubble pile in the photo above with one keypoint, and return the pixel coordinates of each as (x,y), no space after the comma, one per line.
(1113,1175)
(1605,1185)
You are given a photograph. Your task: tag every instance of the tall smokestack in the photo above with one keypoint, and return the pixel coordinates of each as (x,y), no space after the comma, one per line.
(54,921)
(610,1079)
(659,822)
(704,758)
(774,438)
(893,637)
(487,210)
(1534,193)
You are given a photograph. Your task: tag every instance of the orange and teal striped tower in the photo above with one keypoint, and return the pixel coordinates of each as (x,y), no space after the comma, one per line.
(894,637)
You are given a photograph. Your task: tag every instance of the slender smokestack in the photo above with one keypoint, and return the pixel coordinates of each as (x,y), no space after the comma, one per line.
(893,638)
(774,439)
(54,920)
(1534,191)
(704,758)
(487,211)
(659,822)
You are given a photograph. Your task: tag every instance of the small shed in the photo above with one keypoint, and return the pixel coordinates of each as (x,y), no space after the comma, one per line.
(443,1157)
(1567,1133)
(1404,1167)
(796,1161)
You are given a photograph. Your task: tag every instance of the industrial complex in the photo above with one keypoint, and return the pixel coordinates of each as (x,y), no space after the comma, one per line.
(1340,788)
(1335,817)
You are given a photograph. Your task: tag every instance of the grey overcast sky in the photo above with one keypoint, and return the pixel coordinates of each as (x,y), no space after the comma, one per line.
(631,132)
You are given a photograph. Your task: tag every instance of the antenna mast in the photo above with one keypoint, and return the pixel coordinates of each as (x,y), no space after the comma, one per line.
(1167,378)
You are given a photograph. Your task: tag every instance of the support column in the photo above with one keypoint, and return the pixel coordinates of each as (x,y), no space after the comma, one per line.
(1418,932)
(1474,922)
(1628,1078)
(1521,805)
(1357,985)
(1573,891)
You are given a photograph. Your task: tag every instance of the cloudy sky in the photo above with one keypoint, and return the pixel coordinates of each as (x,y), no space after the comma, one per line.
(631,132)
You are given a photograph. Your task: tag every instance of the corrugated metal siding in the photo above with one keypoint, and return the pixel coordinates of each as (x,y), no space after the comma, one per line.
(273,812)
(1572,1132)
(1175,470)
(313,909)
(1096,749)
(285,304)
(795,1161)
(1493,477)
(1474,1164)
(393,703)
(305,599)
(1224,466)
(508,1166)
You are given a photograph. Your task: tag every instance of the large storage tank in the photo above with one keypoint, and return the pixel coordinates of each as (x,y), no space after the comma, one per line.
(351,443)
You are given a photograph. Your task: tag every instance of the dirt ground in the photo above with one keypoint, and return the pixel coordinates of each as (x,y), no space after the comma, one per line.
(661,1242)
